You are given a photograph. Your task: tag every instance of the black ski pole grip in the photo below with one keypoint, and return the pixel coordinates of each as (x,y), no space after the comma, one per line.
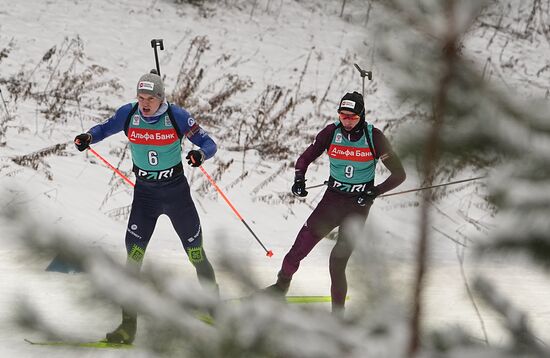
(154,44)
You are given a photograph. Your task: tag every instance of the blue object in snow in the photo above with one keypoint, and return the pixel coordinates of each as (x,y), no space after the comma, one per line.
(60,265)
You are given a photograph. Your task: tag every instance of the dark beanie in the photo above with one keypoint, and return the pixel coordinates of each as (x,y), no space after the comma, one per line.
(352,102)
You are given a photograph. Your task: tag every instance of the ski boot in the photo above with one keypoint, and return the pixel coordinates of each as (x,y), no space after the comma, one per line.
(279,288)
(126,331)
(210,314)
(337,310)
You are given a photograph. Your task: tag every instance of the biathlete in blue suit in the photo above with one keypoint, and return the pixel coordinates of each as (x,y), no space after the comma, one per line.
(155,130)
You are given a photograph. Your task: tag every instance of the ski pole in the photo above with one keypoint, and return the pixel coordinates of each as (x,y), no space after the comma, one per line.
(268,253)
(316,186)
(154,44)
(431,186)
(363,74)
(413,190)
(110,166)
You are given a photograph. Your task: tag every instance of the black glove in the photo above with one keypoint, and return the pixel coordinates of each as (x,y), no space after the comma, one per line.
(195,158)
(82,141)
(299,186)
(367,197)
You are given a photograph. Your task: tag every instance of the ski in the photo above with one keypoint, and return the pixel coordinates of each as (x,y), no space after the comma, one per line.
(309,299)
(91,344)
(290,299)
(294,299)
(206,318)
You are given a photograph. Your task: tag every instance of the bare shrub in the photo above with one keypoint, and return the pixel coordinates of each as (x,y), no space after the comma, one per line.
(262,127)
(116,183)
(6,50)
(190,74)
(36,160)
(58,83)
(121,213)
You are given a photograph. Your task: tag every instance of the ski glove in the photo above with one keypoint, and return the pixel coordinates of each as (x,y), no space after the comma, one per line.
(299,187)
(195,158)
(82,141)
(367,197)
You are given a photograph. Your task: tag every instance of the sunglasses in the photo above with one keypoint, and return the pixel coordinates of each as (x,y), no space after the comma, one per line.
(349,117)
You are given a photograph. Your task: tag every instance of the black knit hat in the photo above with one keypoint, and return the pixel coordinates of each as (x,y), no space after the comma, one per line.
(352,102)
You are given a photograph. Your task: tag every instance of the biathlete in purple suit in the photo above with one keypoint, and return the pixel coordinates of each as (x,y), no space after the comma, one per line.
(354,147)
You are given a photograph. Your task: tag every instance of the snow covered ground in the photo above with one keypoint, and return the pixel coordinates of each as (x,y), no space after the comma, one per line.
(269,45)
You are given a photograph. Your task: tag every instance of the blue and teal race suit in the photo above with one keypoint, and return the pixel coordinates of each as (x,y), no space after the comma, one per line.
(161,186)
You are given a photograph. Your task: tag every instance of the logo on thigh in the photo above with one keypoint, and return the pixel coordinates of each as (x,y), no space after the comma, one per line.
(195,236)
(131,231)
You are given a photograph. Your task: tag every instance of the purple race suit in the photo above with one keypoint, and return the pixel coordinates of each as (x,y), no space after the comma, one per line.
(336,207)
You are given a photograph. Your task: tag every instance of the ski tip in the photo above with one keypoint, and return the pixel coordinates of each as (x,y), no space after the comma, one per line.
(310,299)
(269,253)
(84,344)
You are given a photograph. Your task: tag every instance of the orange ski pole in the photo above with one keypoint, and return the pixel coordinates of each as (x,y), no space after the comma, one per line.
(268,253)
(110,166)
